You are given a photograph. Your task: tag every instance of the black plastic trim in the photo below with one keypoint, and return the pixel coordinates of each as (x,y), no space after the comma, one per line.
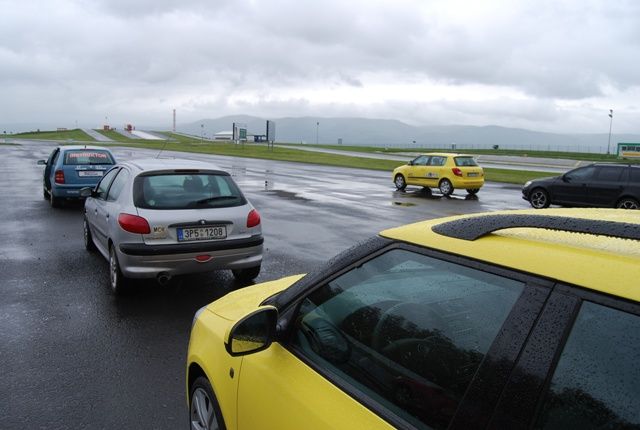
(520,398)
(476,407)
(140,249)
(476,227)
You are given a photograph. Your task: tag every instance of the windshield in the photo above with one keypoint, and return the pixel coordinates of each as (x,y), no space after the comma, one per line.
(186,191)
(86,156)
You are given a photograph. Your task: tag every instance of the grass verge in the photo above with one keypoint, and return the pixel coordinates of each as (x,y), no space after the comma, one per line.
(251,150)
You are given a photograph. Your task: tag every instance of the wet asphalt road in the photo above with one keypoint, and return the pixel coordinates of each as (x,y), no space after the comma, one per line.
(74,356)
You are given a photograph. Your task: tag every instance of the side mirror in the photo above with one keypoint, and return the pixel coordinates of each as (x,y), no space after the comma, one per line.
(253,333)
(566,178)
(42,162)
(86,192)
(410,163)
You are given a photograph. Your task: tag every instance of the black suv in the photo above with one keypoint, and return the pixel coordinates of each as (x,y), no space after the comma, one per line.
(601,185)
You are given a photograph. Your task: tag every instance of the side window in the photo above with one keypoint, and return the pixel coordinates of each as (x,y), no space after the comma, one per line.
(597,381)
(103,186)
(53,154)
(55,157)
(421,161)
(582,174)
(609,173)
(408,330)
(437,161)
(117,185)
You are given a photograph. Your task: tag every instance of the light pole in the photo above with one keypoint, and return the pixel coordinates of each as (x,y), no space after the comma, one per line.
(317,130)
(610,124)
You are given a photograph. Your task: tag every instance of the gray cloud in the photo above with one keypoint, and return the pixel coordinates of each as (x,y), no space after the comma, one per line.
(138,59)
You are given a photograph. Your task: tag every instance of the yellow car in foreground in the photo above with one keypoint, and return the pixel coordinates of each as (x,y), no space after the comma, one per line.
(506,320)
(444,171)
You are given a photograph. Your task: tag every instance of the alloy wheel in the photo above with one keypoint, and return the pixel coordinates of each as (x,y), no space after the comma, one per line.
(539,199)
(203,415)
(628,204)
(445,187)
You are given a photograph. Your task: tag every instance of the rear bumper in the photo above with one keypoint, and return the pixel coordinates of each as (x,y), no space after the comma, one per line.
(69,191)
(468,183)
(148,261)
(141,249)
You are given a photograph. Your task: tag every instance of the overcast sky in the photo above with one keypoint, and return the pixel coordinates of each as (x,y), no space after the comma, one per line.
(546,65)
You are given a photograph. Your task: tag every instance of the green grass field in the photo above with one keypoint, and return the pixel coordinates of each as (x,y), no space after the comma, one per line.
(75,134)
(253,150)
(522,153)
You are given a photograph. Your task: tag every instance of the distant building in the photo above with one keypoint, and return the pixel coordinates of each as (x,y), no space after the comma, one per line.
(223,135)
(628,150)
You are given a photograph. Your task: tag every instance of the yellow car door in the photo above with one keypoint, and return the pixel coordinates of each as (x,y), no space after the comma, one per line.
(417,173)
(280,392)
(434,170)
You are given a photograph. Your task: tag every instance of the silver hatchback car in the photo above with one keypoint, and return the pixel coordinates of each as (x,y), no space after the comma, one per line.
(162,217)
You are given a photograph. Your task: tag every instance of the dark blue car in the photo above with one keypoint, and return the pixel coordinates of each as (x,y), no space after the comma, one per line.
(70,168)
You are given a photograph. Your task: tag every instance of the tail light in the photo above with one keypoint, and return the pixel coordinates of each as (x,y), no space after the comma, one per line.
(253,219)
(59,178)
(133,224)
(456,171)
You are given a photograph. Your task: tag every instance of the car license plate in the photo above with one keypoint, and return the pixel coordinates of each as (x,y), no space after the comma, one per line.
(90,173)
(202,233)
(472,174)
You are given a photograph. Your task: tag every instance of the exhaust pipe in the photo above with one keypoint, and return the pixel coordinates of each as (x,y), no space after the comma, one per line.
(164,278)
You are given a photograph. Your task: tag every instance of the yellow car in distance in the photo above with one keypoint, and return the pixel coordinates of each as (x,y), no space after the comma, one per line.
(513,319)
(444,171)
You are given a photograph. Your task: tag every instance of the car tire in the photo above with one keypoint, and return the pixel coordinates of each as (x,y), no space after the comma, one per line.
(204,410)
(446,187)
(246,274)
(627,203)
(55,202)
(117,280)
(400,182)
(88,237)
(45,194)
(473,190)
(539,198)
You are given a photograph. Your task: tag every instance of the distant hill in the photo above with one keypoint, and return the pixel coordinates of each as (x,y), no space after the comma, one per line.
(392,133)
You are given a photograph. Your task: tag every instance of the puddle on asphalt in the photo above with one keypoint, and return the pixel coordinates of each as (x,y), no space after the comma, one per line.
(286,195)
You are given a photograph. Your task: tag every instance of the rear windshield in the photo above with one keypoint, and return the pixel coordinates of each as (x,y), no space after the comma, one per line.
(465,161)
(86,156)
(186,191)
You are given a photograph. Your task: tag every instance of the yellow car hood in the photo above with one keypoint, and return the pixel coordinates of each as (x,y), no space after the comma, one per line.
(237,304)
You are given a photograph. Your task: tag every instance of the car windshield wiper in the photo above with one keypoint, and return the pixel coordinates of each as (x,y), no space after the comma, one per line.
(211,199)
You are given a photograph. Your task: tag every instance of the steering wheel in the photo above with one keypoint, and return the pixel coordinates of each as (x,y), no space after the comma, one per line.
(430,320)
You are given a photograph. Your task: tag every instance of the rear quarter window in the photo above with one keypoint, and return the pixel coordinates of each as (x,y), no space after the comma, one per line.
(87,157)
(465,161)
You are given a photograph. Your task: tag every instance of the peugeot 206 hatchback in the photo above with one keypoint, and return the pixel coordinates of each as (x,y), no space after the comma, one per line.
(443,171)
(507,320)
(71,168)
(163,217)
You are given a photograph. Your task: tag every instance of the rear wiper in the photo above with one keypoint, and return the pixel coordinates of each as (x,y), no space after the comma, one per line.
(211,199)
